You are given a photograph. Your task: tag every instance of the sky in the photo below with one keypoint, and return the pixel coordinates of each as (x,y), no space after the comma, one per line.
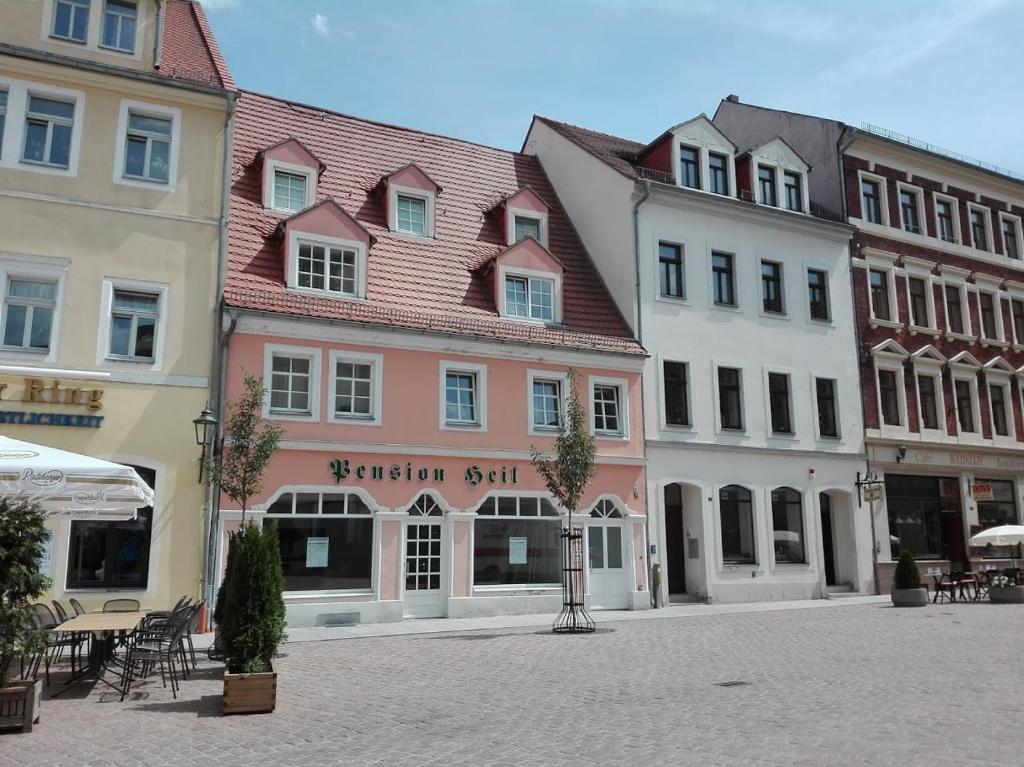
(943,71)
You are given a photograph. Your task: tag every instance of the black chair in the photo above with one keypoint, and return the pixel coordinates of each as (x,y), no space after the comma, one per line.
(77,606)
(121,606)
(56,642)
(160,645)
(62,616)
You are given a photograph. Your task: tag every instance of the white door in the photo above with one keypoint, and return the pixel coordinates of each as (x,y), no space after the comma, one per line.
(607,574)
(424,536)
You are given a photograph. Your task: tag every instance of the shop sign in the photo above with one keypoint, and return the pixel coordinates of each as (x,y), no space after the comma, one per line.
(38,391)
(474,475)
(982,491)
(873,492)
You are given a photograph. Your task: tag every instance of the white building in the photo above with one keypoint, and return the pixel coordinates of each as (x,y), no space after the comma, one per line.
(752,408)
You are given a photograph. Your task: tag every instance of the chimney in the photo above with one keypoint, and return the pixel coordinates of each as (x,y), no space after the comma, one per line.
(733,98)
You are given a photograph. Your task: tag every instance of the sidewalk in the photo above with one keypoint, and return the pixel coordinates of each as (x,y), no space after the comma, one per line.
(500,622)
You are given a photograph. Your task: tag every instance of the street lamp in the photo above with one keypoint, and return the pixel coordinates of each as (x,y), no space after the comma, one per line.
(206,427)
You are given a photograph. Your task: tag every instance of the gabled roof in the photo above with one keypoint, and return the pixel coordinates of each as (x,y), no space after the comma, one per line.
(489,260)
(412,166)
(702,117)
(998,364)
(293,140)
(334,204)
(772,140)
(503,202)
(421,284)
(617,153)
(188,49)
(888,346)
(928,353)
(966,359)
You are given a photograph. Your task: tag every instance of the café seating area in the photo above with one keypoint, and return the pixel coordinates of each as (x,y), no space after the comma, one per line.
(966,586)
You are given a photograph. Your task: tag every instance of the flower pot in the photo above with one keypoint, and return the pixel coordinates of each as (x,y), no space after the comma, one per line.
(910,597)
(19,704)
(249,693)
(1006,594)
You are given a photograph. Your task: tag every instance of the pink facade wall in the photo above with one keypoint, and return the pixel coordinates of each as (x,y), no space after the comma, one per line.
(526,199)
(329,220)
(413,177)
(291,152)
(390,556)
(461,578)
(529,254)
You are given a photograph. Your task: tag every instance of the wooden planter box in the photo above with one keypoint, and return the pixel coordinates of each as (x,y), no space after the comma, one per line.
(1006,594)
(250,693)
(19,704)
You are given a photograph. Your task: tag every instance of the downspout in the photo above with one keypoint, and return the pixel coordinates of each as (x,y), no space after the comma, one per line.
(841,146)
(158,38)
(643,408)
(218,361)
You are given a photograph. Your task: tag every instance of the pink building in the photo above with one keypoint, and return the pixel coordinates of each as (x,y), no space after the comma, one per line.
(414,304)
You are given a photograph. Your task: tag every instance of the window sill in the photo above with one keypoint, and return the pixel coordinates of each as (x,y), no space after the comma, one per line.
(951,336)
(304,595)
(877,323)
(341,421)
(924,330)
(545,588)
(617,437)
(774,315)
(299,417)
(678,300)
(987,342)
(111,49)
(726,307)
(73,41)
(463,426)
(411,235)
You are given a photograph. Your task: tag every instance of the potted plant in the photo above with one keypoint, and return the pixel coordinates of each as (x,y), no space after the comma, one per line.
(250,611)
(23,536)
(1004,589)
(907,590)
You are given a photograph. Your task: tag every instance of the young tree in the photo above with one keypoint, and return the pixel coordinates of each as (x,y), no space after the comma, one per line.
(249,444)
(23,536)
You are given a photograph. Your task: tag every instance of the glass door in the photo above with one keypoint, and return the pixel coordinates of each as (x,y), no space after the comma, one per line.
(607,574)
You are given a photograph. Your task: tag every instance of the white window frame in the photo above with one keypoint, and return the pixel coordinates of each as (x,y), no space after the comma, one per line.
(837,405)
(783,283)
(270,169)
(972,208)
(429,198)
(13,139)
(505,272)
(883,191)
(562,379)
(969,373)
(103,354)
(882,262)
(103,20)
(922,219)
(922,270)
(94,31)
(928,362)
(769,430)
(807,268)
(376,363)
(682,245)
(705,144)
(954,204)
(952,276)
(480,373)
(885,357)
(664,424)
(737,269)
(777,171)
(37,269)
(990,286)
(89,19)
(314,354)
(120,149)
(1014,292)
(510,224)
(802,179)
(623,386)
(715,396)
(1019,235)
(297,238)
(677,156)
(995,375)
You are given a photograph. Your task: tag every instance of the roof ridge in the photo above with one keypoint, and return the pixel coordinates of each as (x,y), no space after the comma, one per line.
(588,130)
(382,124)
(210,41)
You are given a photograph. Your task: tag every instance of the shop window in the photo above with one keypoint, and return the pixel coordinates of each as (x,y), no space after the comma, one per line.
(916,505)
(788,526)
(1001,510)
(737,518)
(326,543)
(516,542)
(112,555)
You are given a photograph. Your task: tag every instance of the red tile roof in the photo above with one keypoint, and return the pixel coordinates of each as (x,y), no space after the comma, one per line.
(421,284)
(188,49)
(618,153)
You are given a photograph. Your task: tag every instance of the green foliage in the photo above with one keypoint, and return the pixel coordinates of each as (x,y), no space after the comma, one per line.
(907,575)
(23,536)
(570,471)
(218,608)
(252,613)
(249,444)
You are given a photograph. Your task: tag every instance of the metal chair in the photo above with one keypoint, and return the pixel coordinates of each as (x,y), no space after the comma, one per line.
(121,606)
(56,642)
(59,609)
(77,606)
(162,645)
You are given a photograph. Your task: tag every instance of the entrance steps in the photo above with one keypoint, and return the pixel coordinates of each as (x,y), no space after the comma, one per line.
(842,591)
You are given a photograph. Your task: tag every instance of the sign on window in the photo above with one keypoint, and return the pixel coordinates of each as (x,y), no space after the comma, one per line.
(517,551)
(982,491)
(316,552)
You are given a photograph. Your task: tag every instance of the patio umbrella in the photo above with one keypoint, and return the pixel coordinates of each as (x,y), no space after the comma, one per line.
(69,483)
(1004,535)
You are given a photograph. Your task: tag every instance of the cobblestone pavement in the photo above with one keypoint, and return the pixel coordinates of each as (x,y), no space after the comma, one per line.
(864,684)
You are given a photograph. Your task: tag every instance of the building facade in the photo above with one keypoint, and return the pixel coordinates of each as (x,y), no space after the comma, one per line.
(753,425)
(112,145)
(939,298)
(414,305)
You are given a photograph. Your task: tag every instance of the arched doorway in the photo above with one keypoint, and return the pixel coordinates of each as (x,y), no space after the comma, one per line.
(607,571)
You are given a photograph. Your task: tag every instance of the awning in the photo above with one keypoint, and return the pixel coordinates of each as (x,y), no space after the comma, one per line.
(69,483)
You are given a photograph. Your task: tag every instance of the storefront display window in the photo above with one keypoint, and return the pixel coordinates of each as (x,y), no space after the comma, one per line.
(924,516)
(737,525)
(1001,510)
(516,542)
(326,541)
(788,524)
(112,555)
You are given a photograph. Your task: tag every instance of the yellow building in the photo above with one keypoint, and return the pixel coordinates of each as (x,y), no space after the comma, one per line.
(115,117)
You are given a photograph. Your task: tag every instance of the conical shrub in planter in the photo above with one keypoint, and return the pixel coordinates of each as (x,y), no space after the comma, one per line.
(907,590)
(252,620)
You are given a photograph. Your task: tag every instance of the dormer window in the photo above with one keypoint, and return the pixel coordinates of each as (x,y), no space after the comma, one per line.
(530,298)
(411,215)
(526,226)
(327,268)
(766,185)
(718,172)
(289,191)
(290,173)
(411,196)
(792,184)
(689,167)
(325,251)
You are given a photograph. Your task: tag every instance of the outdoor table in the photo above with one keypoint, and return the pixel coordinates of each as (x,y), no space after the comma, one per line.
(102,626)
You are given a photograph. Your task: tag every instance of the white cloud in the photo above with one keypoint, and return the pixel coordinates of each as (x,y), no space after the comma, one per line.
(320,25)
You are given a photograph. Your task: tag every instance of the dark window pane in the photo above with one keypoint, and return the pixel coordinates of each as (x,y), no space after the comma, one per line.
(737,525)
(1001,510)
(825,388)
(491,561)
(986,304)
(794,191)
(997,403)
(730,398)
(677,407)
(954,309)
(817,293)
(871,201)
(689,167)
(889,396)
(965,405)
(670,265)
(915,506)
(918,302)
(880,295)
(788,526)
(944,213)
(908,207)
(349,552)
(778,396)
(719,168)
(771,287)
(928,402)
(766,184)
(723,278)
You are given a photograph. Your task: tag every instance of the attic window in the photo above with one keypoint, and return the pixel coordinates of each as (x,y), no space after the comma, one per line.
(530,298)
(526,226)
(411,215)
(288,188)
(289,191)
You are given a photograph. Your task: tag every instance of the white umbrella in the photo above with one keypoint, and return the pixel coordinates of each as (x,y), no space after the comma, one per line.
(69,483)
(1004,535)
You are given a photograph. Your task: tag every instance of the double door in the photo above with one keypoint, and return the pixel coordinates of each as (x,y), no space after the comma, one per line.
(606,569)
